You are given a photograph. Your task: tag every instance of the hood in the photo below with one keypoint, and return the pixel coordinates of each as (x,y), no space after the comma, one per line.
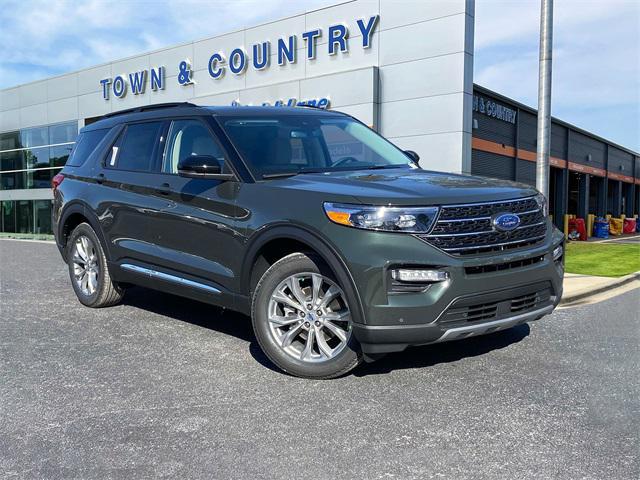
(408,187)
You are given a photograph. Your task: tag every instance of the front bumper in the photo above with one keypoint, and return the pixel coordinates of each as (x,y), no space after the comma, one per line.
(452,309)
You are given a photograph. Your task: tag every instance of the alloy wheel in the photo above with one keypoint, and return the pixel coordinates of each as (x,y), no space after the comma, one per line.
(309,317)
(86,267)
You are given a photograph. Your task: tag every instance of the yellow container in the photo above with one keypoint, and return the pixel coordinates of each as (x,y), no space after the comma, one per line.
(615,226)
(590,220)
(566,224)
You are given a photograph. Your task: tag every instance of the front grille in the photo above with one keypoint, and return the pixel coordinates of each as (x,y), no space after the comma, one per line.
(496,305)
(467,229)
(499,267)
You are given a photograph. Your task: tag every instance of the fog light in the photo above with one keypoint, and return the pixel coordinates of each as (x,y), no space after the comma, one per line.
(422,276)
(557,252)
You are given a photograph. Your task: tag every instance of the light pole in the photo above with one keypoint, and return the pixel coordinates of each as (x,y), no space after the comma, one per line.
(544,97)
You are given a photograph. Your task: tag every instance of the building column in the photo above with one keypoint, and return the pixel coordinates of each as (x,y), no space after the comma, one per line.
(616,198)
(629,193)
(583,196)
(603,195)
(562,198)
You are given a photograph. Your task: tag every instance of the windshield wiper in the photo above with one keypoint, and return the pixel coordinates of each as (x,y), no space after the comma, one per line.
(267,176)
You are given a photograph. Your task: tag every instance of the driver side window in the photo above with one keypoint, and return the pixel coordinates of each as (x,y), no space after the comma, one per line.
(186,138)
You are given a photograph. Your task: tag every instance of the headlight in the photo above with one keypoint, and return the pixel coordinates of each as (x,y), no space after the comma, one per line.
(542,204)
(387,219)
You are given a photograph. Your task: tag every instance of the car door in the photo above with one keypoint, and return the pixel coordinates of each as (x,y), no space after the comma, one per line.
(131,203)
(197,228)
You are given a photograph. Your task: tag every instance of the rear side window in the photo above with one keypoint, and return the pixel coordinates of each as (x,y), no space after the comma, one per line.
(138,148)
(85,145)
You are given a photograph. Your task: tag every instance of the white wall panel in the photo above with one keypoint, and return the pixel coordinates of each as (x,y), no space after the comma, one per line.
(64,86)
(62,110)
(223,99)
(281,91)
(9,99)
(33,115)
(396,13)
(422,78)
(440,151)
(422,116)
(423,40)
(33,93)
(205,85)
(10,120)
(92,105)
(348,88)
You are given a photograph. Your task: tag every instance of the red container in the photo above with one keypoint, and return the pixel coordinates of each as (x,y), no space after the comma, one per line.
(629,225)
(577,229)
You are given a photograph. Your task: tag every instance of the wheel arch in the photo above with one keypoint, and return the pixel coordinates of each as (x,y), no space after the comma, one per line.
(287,239)
(74,215)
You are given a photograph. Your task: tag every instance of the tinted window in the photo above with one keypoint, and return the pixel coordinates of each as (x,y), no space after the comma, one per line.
(86,144)
(186,138)
(304,143)
(137,149)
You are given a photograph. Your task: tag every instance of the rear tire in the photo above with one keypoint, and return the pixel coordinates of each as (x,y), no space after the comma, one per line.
(88,269)
(302,320)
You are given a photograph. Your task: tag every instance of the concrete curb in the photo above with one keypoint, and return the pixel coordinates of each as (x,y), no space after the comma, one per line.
(603,287)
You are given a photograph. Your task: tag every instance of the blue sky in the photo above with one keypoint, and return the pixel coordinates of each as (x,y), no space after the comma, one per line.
(596,71)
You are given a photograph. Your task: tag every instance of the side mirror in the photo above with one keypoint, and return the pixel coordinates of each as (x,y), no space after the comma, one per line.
(202,166)
(415,158)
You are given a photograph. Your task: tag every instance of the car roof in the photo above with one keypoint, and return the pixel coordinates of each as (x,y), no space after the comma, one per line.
(169,110)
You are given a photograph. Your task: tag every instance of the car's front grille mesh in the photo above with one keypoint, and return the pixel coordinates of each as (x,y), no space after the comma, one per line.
(487,309)
(468,229)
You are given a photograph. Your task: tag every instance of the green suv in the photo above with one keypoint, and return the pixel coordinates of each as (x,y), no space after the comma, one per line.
(335,241)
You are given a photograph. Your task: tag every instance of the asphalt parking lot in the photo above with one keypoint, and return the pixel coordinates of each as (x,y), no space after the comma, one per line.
(165,387)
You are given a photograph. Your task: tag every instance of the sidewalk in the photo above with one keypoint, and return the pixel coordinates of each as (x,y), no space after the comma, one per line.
(578,286)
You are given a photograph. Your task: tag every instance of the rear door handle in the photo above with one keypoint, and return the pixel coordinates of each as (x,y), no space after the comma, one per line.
(164,189)
(100,178)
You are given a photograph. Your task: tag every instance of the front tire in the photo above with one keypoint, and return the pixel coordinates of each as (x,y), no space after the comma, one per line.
(88,269)
(302,320)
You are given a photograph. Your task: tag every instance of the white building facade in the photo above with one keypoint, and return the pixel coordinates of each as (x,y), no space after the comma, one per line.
(401,66)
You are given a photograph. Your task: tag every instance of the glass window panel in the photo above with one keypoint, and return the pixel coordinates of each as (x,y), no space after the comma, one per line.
(8,212)
(13,161)
(59,155)
(138,145)
(42,216)
(34,137)
(86,144)
(10,140)
(63,132)
(186,138)
(24,216)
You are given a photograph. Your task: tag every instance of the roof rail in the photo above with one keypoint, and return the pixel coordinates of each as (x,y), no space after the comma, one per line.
(145,108)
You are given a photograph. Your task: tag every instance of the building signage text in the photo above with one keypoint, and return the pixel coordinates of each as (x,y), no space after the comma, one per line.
(258,57)
(488,107)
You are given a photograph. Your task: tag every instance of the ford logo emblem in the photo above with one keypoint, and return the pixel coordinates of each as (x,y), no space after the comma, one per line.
(506,222)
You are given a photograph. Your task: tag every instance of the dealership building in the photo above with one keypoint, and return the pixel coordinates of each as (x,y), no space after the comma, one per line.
(405,68)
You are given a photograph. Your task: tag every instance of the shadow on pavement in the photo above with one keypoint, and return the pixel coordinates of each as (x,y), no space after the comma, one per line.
(239,326)
(429,355)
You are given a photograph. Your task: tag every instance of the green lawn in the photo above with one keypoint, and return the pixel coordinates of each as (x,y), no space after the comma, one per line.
(602,259)
(27,236)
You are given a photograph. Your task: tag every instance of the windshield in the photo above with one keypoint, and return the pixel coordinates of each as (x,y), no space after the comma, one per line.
(296,144)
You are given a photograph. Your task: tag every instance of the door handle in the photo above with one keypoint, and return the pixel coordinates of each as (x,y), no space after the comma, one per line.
(164,189)
(100,178)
